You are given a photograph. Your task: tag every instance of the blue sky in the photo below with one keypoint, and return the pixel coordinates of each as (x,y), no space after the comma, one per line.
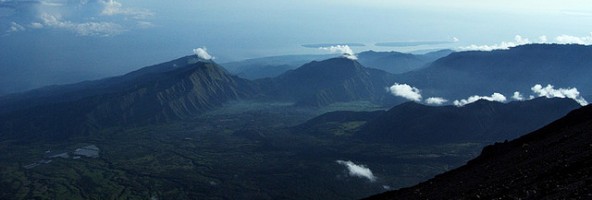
(58,41)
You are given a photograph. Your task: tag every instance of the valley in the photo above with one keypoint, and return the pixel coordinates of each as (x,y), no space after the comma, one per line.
(242,151)
(329,129)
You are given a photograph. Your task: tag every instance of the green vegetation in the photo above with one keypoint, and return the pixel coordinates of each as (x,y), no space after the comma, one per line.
(243,151)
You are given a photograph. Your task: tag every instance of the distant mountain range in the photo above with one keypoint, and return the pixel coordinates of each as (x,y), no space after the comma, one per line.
(413,123)
(392,62)
(186,87)
(550,163)
(151,95)
(462,74)
(396,63)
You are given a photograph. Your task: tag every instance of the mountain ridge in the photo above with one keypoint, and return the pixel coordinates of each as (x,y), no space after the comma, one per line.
(549,163)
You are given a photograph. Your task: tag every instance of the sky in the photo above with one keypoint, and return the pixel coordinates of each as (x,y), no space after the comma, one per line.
(45,42)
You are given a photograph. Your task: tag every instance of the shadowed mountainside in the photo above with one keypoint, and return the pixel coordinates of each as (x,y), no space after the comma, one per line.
(550,163)
(483,121)
(139,99)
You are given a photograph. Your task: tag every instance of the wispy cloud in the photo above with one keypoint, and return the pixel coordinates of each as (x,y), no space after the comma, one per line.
(83,29)
(357,170)
(494,97)
(15,27)
(83,17)
(112,7)
(344,50)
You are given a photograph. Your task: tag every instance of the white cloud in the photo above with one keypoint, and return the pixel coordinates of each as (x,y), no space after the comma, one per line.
(518,40)
(494,97)
(202,53)
(112,7)
(543,39)
(455,39)
(436,100)
(568,39)
(345,50)
(517,96)
(15,27)
(406,91)
(36,25)
(83,17)
(358,170)
(550,92)
(83,29)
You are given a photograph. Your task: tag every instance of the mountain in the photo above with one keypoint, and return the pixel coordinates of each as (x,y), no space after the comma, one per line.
(393,62)
(268,67)
(396,62)
(150,95)
(324,82)
(77,91)
(463,74)
(550,163)
(482,121)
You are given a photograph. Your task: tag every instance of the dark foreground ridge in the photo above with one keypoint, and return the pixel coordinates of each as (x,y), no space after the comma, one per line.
(554,162)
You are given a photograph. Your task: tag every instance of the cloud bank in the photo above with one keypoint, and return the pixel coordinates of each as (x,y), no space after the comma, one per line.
(357,170)
(519,40)
(202,53)
(406,91)
(549,91)
(344,50)
(494,97)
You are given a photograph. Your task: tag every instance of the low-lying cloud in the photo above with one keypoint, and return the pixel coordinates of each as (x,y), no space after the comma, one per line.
(568,39)
(549,91)
(518,96)
(202,53)
(413,94)
(344,50)
(494,97)
(519,40)
(406,91)
(435,101)
(357,170)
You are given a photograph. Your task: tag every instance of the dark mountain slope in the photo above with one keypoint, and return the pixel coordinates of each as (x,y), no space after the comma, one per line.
(329,81)
(77,91)
(551,163)
(462,74)
(396,62)
(147,98)
(482,121)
